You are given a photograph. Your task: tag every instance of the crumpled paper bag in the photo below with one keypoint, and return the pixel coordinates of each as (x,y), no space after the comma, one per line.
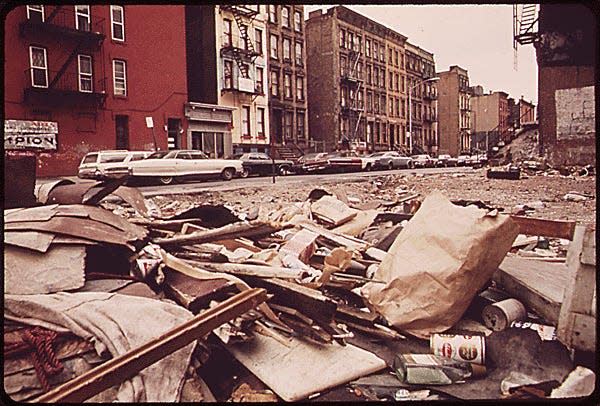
(437,264)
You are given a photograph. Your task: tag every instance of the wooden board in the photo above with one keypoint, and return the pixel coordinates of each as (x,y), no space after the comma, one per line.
(539,285)
(296,369)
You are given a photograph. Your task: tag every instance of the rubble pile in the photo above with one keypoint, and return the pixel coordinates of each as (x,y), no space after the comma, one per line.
(130,299)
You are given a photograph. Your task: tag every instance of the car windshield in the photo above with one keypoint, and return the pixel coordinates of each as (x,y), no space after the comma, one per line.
(158,154)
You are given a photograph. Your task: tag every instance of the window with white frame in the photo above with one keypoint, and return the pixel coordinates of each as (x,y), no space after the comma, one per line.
(258,42)
(342,38)
(82,18)
(297,21)
(119,77)
(285,16)
(260,121)
(244,38)
(245,121)
(288,119)
(274,83)
(228,74)
(298,52)
(300,125)
(39,66)
(84,65)
(35,13)
(287,84)
(117,23)
(273,46)
(272,13)
(286,49)
(300,88)
(260,89)
(227,33)
(368,47)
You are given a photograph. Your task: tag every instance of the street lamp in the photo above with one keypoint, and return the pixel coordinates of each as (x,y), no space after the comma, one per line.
(410,109)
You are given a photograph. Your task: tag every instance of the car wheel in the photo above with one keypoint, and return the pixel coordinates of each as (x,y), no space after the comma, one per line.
(285,170)
(245,173)
(166,180)
(368,168)
(411,165)
(390,165)
(228,173)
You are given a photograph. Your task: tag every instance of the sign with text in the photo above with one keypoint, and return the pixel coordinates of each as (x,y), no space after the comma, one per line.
(149,122)
(25,134)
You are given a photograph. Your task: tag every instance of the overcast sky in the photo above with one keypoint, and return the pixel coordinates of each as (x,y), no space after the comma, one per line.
(477,38)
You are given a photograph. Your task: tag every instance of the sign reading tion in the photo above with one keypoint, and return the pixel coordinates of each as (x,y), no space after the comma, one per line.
(24,134)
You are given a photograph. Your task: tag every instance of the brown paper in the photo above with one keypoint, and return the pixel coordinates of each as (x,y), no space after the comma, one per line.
(437,264)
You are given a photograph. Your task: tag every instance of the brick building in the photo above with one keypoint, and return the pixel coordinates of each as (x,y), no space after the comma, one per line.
(350,59)
(454,118)
(83,78)
(490,119)
(286,88)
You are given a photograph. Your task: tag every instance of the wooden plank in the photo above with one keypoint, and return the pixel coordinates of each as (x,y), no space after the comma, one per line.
(539,285)
(545,228)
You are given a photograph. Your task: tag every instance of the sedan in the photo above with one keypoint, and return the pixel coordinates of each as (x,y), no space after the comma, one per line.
(341,161)
(391,160)
(423,161)
(258,163)
(463,160)
(168,166)
(311,163)
(446,160)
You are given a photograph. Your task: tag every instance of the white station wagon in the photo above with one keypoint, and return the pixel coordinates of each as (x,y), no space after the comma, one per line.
(101,165)
(168,166)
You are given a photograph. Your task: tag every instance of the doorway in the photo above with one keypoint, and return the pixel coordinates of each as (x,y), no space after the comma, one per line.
(122,132)
(276,128)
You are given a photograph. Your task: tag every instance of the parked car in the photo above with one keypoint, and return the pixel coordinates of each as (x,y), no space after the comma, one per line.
(258,163)
(101,165)
(446,160)
(391,160)
(341,161)
(463,160)
(168,166)
(311,163)
(423,161)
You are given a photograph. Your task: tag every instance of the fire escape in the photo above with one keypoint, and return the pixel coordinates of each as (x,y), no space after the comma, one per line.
(525,22)
(353,108)
(64,87)
(244,54)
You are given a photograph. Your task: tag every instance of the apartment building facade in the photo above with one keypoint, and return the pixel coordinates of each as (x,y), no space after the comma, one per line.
(350,59)
(80,78)
(287,89)
(454,118)
(490,118)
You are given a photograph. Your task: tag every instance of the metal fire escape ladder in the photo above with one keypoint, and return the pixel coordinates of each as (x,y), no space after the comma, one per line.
(53,14)
(524,24)
(243,17)
(63,68)
(353,137)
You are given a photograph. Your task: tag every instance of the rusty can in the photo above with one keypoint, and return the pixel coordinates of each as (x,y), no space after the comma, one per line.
(500,315)
(470,348)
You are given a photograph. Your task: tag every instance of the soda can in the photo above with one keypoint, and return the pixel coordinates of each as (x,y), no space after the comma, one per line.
(470,348)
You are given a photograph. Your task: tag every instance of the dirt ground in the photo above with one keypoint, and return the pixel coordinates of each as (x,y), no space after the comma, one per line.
(542,193)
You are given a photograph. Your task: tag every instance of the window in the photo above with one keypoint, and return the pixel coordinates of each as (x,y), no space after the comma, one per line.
(382,78)
(245,121)
(342,38)
(287,84)
(349,40)
(300,88)
(259,81)
(227,74)
(286,49)
(395,58)
(258,42)
(85,73)
(359,97)
(298,49)
(376,103)
(244,39)
(287,124)
(274,83)
(368,47)
(357,41)
(391,111)
(297,21)
(285,17)
(300,125)
(35,13)
(260,121)
(390,53)
(343,65)
(382,53)
(119,77)
(391,82)
(375,50)
(39,67)
(343,96)
(273,44)
(383,105)
(369,102)
(82,18)
(396,80)
(227,33)
(117,21)
(272,13)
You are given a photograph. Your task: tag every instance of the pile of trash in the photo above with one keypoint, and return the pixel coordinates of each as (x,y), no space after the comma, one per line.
(139,307)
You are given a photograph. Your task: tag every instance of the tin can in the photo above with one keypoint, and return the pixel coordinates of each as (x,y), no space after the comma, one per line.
(500,315)
(470,348)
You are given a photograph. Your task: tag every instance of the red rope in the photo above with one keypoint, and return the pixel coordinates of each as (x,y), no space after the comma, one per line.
(43,358)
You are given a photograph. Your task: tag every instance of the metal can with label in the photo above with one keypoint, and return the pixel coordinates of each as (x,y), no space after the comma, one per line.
(470,348)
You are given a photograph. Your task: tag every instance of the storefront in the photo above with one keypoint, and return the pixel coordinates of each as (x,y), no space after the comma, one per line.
(209,128)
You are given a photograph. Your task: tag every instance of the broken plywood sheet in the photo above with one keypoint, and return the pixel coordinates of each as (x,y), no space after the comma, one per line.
(32,240)
(358,224)
(539,285)
(297,369)
(332,211)
(28,272)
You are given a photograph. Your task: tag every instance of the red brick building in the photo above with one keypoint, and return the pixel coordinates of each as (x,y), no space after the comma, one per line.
(83,78)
